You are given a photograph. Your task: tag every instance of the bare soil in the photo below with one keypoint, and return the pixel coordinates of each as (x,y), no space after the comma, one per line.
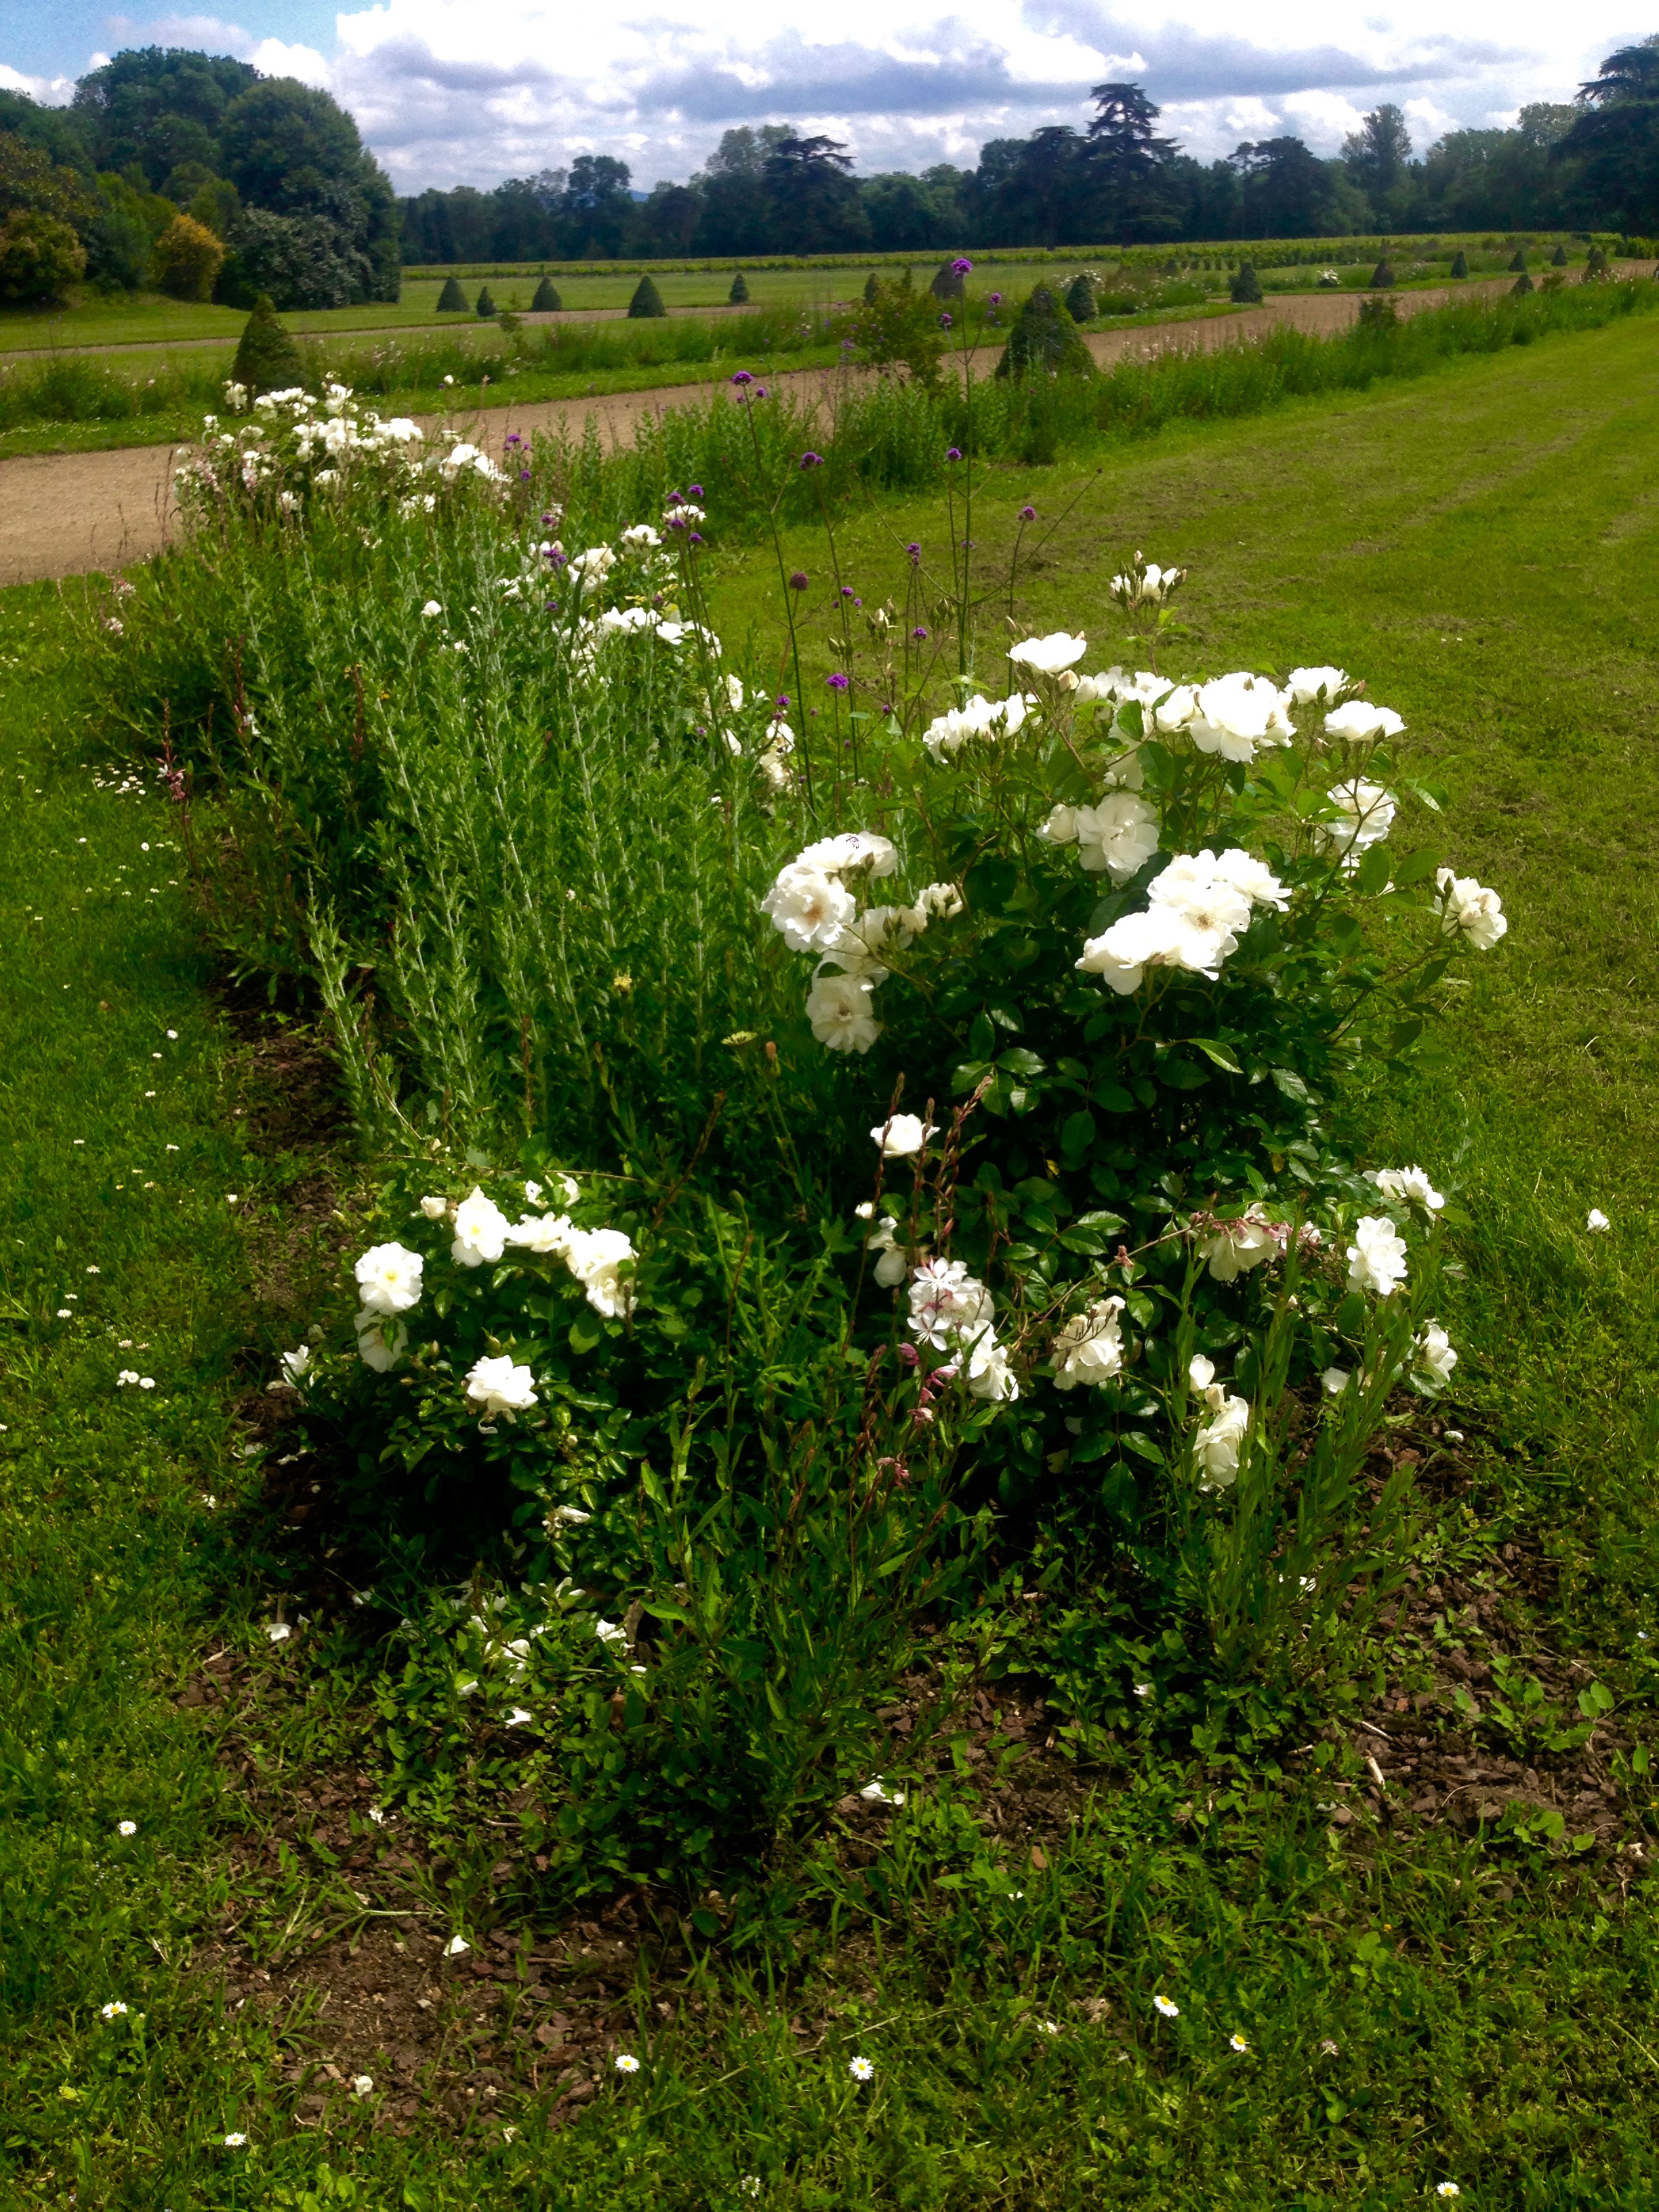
(62,514)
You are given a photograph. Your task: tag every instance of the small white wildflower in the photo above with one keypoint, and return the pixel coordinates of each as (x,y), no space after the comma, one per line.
(626,2063)
(363,2085)
(115,2010)
(278,1630)
(1237,2043)
(1167,2006)
(1447,2189)
(235,2140)
(127,1827)
(1597,1220)
(861,2069)
(456,1946)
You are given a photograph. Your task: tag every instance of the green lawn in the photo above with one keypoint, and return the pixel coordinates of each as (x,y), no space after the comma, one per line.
(1420,2000)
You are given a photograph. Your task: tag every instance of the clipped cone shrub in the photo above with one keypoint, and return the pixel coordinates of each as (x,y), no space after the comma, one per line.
(1080,299)
(267,359)
(1244,286)
(1379,312)
(1045,341)
(738,294)
(451,301)
(486,306)
(1461,264)
(1558,259)
(946,284)
(1522,284)
(1595,265)
(1518,266)
(870,289)
(547,298)
(646,300)
(1382,277)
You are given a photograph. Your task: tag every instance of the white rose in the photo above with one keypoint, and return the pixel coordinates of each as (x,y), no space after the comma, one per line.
(1239,1246)
(902,1134)
(947,1304)
(480,1230)
(1160,937)
(1061,828)
(596,1258)
(1048,656)
(1377,1258)
(1432,1356)
(989,1375)
(1468,905)
(851,848)
(1193,886)
(1307,686)
(389,1278)
(839,1009)
(1254,878)
(1366,815)
(542,1232)
(1406,1187)
(381,1341)
(499,1385)
(1089,1348)
(808,908)
(1216,1443)
(1238,714)
(1359,721)
(1120,834)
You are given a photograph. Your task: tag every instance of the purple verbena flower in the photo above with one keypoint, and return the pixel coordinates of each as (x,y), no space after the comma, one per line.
(743,377)
(798,582)
(846,591)
(996,299)
(811,461)
(694,491)
(962,266)
(836,683)
(945,322)
(696,538)
(783,703)
(915,552)
(673,500)
(953,452)
(523,475)
(919,632)
(1028,514)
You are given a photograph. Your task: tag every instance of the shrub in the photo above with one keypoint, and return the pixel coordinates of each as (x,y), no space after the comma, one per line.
(1081,297)
(546,301)
(948,282)
(870,289)
(900,325)
(267,359)
(1044,341)
(647,302)
(186,259)
(1244,286)
(1378,313)
(1382,278)
(451,301)
(295,260)
(1595,266)
(485,308)
(738,294)
(1522,285)
(1460,264)
(39,258)
(1558,259)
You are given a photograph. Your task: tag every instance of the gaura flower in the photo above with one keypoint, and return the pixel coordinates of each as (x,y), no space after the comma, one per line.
(1089,1348)
(389,1278)
(1470,906)
(481,1230)
(902,1134)
(500,1386)
(839,1009)
(1048,656)
(1377,1258)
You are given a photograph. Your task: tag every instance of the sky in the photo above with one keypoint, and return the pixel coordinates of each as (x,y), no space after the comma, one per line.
(453,92)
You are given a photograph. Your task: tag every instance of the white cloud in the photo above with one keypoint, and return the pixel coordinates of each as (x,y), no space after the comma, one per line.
(50,91)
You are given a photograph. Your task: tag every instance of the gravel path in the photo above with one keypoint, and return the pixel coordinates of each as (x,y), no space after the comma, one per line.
(62,515)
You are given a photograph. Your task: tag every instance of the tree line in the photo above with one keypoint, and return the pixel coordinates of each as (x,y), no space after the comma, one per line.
(1589,163)
(194,172)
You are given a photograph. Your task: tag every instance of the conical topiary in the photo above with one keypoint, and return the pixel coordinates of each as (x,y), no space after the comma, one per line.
(1595,264)
(1081,297)
(267,359)
(646,300)
(1244,286)
(1382,277)
(738,294)
(870,289)
(1558,259)
(451,301)
(1460,263)
(486,306)
(1523,283)
(1045,341)
(946,284)
(1518,266)
(547,300)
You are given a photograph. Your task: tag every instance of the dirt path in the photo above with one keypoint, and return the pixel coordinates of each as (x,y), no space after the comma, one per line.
(62,515)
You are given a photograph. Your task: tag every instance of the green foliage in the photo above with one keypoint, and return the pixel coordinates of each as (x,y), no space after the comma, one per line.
(451,301)
(546,301)
(646,302)
(1044,342)
(1081,297)
(267,359)
(897,325)
(1382,278)
(1595,266)
(1460,264)
(1522,285)
(1379,311)
(186,259)
(41,257)
(738,294)
(1244,286)
(485,306)
(872,286)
